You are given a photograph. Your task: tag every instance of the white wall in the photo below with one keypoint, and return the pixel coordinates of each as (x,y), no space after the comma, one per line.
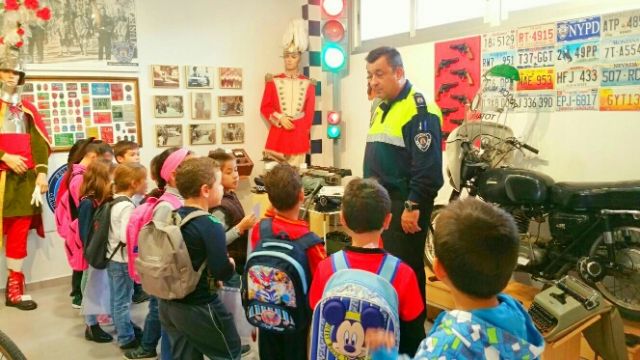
(198,32)
(574,146)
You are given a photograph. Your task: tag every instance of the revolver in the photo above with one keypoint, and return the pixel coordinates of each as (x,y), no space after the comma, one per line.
(447,111)
(463,74)
(462,99)
(445,63)
(463,48)
(445,88)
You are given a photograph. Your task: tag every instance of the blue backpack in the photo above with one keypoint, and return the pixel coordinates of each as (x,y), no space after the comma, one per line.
(353,301)
(276,280)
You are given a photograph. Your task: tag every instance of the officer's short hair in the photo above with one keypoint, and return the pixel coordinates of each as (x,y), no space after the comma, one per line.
(391,54)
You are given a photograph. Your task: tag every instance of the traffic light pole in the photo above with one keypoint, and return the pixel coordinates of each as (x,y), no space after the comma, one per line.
(337,106)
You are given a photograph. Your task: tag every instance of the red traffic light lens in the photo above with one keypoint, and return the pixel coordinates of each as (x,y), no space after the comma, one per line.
(333,118)
(333,31)
(333,7)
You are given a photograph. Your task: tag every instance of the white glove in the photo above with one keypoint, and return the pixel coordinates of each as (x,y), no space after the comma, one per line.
(36,197)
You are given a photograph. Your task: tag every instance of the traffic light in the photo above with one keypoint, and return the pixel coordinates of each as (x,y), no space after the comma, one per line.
(333,125)
(335,36)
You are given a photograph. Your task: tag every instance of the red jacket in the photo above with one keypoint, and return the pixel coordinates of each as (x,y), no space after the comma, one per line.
(295,98)
(409,297)
(294,229)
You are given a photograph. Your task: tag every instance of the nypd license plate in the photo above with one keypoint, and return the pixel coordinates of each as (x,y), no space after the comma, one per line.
(623,23)
(579,29)
(538,57)
(577,100)
(535,102)
(578,52)
(620,49)
(577,77)
(621,75)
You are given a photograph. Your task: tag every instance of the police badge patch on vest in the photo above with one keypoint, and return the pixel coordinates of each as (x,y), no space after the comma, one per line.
(423,141)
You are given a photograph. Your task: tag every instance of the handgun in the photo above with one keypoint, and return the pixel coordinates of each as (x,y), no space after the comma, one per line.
(447,111)
(463,74)
(462,99)
(445,63)
(445,88)
(463,48)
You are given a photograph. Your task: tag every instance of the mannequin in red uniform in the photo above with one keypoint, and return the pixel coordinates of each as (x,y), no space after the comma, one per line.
(288,103)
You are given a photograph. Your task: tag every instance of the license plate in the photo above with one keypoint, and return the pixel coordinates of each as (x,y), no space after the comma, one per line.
(497,58)
(536,79)
(621,75)
(577,77)
(493,102)
(577,100)
(579,29)
(493,84)
(620,99)
(578,52)
(539,57)
(535,102)
(497,41)
(624,23)
(620,49)
(536,36)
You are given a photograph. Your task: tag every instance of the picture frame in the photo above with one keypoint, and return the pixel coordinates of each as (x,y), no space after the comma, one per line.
(76,108)
(230,106)
(165,76)
(169,135)
(201,106)
(168,106)
(232,133)
(202,134)
(230,78)
(199,76)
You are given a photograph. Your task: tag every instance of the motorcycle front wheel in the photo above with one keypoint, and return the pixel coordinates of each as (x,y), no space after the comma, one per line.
(429,251)
(621,284)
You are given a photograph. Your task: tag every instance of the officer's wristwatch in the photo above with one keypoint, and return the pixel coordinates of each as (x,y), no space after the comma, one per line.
(410,205)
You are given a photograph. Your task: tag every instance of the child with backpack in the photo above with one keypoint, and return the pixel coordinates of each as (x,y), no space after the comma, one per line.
(94,191)
(159,210)
(366,213)
(275,293)
(195,318)
(129,180)
(476,246)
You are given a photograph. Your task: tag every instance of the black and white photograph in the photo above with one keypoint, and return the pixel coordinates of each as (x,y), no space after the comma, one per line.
(169,135)
(201,106)
(171,106)
(202,134)
(166,76)
(98,32)
(230,106)
(232,133)
(230,78)
(199,77)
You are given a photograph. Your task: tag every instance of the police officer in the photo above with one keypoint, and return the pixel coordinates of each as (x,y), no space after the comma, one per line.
(404,154)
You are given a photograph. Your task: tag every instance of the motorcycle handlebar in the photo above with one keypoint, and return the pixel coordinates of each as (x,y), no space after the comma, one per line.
(530,148)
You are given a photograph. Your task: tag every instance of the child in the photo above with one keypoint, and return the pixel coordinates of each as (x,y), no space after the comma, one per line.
(199,324)
(95,189)
(104,151)
(129,180)
(284,188)
(230,212)
(366,213)
(168,161)
(476,246)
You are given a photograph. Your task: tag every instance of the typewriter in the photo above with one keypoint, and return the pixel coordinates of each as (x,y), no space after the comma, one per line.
(564,305)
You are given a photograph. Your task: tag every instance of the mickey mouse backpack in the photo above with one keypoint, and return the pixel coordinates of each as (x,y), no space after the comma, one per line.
(353,301)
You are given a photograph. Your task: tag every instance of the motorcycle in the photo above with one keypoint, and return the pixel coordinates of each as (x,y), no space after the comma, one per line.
(594,227)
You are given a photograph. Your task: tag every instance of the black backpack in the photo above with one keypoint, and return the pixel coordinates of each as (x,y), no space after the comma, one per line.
(97,245)
(276,281)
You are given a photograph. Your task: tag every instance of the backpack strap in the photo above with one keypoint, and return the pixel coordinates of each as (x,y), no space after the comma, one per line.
(120,199)
(339,261)
(72,207)
(266,228)
(192,215)
(389,267)
(308,240)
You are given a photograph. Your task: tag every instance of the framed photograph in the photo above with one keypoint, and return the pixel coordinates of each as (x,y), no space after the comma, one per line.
(201,106)
(230,105)
(230,78)
(166,76)
(202,134)
(232,133)
(168,106)
(169,135)
(199,77)
(75,108)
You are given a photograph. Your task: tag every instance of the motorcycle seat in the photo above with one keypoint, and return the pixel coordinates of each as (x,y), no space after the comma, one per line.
(597,195)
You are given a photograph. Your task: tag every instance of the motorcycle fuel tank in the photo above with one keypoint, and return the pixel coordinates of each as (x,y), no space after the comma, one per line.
(506,186)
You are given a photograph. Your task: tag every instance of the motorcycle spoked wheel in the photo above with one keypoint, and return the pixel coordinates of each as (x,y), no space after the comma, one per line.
(429,250)
(621,286)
